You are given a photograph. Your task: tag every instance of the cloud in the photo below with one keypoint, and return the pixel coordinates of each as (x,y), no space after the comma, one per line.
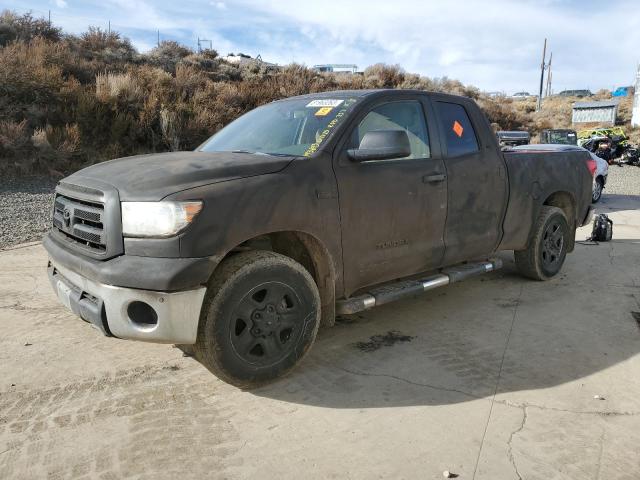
(61,3)
(493,44)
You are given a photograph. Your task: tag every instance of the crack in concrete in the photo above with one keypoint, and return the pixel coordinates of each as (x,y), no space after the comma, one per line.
(495,390)
(512,459)
(405,380)
(599,413)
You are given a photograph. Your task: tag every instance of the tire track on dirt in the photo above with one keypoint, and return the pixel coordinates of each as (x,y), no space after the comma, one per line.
(146,422)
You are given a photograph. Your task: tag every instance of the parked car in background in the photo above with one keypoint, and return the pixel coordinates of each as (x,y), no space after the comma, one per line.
(559,137)
(601,166)
(600,177)
(575,93)
(521,95)
(513,138)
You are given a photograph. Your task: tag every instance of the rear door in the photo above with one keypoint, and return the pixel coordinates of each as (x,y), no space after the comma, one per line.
(392,211)
(476,181)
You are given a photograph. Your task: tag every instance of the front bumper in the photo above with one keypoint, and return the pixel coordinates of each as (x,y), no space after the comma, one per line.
(108,308)
(132,271)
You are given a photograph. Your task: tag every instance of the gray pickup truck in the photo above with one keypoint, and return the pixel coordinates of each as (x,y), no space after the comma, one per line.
(302,209)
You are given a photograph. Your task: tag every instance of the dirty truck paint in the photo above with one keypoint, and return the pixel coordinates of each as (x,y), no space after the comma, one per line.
(367,223)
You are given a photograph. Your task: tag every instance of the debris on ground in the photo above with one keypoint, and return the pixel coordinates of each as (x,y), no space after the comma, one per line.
(27,344)
(448,474)
(598,397)
(378,341)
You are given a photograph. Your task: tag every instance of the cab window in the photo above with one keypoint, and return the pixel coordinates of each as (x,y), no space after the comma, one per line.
(458,131)
(407,116)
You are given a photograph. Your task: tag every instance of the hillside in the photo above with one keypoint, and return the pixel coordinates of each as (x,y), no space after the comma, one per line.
(67,101)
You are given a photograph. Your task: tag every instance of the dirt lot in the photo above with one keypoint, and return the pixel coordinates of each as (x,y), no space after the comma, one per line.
(494,378)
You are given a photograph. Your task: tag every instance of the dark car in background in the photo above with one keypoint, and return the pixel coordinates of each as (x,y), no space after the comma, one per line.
(513,138)
(575,93)
(559,136)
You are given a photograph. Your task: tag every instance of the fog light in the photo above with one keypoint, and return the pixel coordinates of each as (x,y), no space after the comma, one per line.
(142,314)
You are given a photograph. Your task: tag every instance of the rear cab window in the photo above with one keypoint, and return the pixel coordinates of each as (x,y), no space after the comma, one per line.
(460,137)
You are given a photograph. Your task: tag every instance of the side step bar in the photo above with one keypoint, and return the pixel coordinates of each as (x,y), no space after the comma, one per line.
(405,288)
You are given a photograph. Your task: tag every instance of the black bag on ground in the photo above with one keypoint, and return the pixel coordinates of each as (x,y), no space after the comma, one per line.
(602,228)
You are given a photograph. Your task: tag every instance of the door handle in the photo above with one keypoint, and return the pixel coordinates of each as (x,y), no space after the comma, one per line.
(437,177)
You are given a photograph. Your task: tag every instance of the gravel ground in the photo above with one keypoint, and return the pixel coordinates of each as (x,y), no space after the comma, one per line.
(25,209)
(623,180)
(25,203)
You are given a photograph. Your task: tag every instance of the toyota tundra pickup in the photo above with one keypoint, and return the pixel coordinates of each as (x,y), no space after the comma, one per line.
(302,209)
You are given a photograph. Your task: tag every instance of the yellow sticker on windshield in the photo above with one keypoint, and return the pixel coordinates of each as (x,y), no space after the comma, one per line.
(323,111)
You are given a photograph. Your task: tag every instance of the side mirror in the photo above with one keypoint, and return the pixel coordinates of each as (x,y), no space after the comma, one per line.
(381,145)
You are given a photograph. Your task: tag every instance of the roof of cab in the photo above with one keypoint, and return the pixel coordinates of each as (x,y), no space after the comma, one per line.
(369,92)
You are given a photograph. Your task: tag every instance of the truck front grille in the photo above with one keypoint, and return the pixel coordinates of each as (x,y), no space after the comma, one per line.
(81,222)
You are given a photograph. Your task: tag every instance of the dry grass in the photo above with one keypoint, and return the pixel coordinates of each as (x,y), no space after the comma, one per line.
(68,101)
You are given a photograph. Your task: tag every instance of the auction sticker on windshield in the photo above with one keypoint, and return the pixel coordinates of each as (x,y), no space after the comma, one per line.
(323,111)
(324,102)
(339,116)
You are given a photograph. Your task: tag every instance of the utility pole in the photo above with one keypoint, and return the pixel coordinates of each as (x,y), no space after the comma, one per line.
(49,17)
(109,28)
(544,55)
(158,37)
(549,74)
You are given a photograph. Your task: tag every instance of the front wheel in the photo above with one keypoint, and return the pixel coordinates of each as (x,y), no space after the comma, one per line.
(544,256)
(259,318)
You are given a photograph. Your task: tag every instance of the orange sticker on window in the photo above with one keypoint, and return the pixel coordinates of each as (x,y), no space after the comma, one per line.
(457,128)
(323,111)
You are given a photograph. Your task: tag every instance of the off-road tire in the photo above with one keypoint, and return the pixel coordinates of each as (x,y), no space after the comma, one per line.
(536,261)
(228,309)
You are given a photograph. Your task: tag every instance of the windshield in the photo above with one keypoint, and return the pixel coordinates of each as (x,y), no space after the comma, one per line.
(290,127)
(563,138)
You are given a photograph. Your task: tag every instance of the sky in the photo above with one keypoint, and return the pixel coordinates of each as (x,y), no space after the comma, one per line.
(493,45)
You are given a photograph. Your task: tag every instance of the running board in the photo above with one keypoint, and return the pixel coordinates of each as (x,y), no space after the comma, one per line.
(405,288)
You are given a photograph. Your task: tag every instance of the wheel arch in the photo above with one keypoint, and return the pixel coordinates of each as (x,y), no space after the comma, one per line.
(308,251)
(567,203)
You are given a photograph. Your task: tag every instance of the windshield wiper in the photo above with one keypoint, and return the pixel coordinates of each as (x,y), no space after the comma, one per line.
(265,153)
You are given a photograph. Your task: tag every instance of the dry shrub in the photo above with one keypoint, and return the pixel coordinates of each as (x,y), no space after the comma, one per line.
(383,76)
(118,85)
(24,28)
(70,101)
(170,126)
(16,148)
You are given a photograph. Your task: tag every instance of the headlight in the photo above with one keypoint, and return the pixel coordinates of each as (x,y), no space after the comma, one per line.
(157,219)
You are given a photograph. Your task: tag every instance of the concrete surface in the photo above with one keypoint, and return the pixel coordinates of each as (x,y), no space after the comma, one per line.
(494,378)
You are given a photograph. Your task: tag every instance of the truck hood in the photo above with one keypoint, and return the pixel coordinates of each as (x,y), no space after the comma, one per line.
(154,176)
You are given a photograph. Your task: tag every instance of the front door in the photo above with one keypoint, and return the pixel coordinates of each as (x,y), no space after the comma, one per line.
(392,211)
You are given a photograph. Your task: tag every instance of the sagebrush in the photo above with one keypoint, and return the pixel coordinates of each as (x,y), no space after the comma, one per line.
(68,101)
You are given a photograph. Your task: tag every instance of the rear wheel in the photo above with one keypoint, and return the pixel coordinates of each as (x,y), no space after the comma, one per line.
(259,318)
(544,256)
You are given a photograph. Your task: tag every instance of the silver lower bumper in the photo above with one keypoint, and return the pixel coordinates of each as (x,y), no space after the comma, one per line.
(107,307)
